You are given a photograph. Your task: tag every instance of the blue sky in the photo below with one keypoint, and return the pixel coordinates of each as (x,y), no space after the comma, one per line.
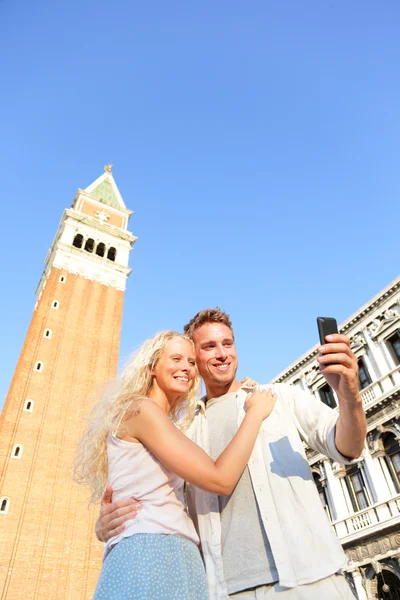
(257,143)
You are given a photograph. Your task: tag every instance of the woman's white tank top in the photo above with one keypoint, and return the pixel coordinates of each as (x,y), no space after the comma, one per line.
(133,471)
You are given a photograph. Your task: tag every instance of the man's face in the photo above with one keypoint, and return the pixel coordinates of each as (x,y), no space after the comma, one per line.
(215,354)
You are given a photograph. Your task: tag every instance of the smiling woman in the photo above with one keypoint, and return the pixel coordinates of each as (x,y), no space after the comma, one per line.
(135,441)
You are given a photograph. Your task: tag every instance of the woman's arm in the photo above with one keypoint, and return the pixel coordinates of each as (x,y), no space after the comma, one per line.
(154,429)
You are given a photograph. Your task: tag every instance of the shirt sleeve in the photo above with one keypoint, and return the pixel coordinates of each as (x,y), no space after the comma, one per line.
(316,423)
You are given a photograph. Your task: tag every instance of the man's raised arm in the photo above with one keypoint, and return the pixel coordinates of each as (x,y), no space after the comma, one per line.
(340,437)
(340,368)
(113,515)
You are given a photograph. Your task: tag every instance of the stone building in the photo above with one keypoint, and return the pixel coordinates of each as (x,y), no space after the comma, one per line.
(363,501)
(48,549)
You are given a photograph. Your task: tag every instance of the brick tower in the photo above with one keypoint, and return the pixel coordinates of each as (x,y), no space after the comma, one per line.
(48,550)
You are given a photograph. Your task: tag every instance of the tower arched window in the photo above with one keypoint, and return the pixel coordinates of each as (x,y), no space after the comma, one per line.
(17,451)
(47,333)
(101,248)
(112,253)
(4,505)
(89,246)
(392,457)
(78,240)
(39,366)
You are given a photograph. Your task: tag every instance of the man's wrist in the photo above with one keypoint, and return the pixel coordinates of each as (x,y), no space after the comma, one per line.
(353,401)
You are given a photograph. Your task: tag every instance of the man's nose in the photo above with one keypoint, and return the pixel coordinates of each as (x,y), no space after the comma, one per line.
(221,352)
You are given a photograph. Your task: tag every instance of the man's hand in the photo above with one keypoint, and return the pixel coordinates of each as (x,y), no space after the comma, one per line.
(113,515)
(340,368)
(342,374)
(247,382)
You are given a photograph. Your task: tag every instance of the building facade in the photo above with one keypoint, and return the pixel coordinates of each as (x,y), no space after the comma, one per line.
(47,544)
(362,502)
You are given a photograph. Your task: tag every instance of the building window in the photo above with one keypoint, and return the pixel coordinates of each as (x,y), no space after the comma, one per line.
(322,494)
(327,396)
(47,333)
(394,346)
(16,451)
(55,304)
(111,254)
(39,366)
(78,240)
(364,378)
(89,246)
(357,489)
(392,458)
(100,250)
(62,279)
(4,505)
(28,406)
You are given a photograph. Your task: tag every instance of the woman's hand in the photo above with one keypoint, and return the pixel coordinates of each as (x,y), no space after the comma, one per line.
(262,401)
(248,382)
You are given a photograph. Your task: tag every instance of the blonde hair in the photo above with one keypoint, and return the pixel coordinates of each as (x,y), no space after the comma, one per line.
(208,315)
(117,403)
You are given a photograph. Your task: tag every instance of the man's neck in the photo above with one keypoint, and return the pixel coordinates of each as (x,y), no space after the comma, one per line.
(213,391)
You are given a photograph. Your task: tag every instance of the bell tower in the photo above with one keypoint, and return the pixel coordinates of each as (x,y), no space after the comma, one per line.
(48,549)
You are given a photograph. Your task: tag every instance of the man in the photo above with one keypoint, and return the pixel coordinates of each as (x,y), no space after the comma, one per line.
(271,537)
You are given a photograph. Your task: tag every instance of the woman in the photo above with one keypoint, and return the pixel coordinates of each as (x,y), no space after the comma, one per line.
(135,441)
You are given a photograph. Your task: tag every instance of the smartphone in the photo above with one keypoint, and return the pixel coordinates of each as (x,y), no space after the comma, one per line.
(326,326)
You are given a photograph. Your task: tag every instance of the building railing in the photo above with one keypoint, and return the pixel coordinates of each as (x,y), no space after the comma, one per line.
(382,386)
(363,521)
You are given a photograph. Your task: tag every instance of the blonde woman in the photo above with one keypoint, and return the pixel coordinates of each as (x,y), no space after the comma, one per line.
(135,441)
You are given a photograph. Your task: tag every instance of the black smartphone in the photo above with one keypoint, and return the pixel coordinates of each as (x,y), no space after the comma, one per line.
(326,326)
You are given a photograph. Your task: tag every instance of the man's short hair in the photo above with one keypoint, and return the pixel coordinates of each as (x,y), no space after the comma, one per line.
(208,315)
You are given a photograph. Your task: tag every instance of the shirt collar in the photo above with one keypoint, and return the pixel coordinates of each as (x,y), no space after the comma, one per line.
(201,402)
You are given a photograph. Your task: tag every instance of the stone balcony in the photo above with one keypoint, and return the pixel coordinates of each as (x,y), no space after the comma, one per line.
(366,522)
(382,388)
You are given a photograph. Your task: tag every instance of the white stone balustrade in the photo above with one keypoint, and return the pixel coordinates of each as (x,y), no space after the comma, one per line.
(366,521)
(381,387)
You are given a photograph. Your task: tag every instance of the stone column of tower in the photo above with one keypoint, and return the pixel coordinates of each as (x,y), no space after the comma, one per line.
(48,549)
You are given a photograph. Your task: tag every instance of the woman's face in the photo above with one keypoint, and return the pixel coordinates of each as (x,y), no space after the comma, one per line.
(175,370)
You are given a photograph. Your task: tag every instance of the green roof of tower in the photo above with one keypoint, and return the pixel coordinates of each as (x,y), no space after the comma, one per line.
(105,193)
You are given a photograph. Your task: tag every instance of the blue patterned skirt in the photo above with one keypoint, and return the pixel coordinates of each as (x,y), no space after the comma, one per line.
(149,566)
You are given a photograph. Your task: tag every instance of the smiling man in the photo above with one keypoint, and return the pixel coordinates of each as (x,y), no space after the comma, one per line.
(269,538)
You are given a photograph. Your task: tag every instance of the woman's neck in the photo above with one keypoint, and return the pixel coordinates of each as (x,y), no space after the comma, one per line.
(160,398)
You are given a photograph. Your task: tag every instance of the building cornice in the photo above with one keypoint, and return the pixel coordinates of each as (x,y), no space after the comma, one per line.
(345,327)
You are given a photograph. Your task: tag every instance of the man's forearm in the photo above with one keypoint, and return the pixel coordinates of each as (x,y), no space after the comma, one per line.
(351,428)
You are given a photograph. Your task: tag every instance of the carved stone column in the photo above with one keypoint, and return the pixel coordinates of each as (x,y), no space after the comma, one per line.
(357,578)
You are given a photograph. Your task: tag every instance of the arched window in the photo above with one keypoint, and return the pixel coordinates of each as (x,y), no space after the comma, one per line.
(392,457)
(89,246)
(394,346)
(327,396)
(78,240)
(28,406)
(357,488)
(16,451)
(322,494)
(4,505)
(101,248)
(38,366)
(62,279)
(111,254)
(364,378)
(55,304)
(47,333)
